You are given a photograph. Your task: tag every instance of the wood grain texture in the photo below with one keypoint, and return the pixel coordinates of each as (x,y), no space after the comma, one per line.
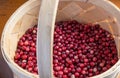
(46,22)
(116,2)
(7,7)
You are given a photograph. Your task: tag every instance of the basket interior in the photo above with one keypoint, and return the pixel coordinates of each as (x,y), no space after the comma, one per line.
(85,12)
(68,10)
(25,17)
(27,21)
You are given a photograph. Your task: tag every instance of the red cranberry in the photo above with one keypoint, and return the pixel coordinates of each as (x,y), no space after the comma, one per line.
(104,68)
(20,43)
(30,58)
(30,69)
(36,69)
(90,74)
(82,65)
(60,72)
(23,65)
(65,71)
(24,57)
(17,56)
(72,66)
(57,68)
(94,59)
(86,60)
(80,50)
(79,69)
(33,44)
(83,72)
(94,69)
(30,63)
(26,43)
(101,64)
(84,44)
(68,61)
(113,61)
(92,63)
(77,74)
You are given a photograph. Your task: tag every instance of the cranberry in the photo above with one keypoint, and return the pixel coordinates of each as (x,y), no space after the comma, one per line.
(83,72)
(113,61)
(23,65)
(101,64)
(92,63)
(77,74)
(65,71)
(68,61)
(82,65)
(72,66)
(85,60)
(60,72)
(57,68)
(36,69)
(104,68)
(30,69)
(23,56)
(87,48)
(65,76)
(79,50)
(30,58)
(17,56)
(94,69)
(20,43)
(26,43)
(33,44)
(90,74)
(30,63)
(94,59)
(79,69)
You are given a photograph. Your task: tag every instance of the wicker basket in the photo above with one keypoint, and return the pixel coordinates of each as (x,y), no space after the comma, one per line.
(102,12)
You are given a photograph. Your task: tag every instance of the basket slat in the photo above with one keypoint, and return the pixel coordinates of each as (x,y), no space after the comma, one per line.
(45,37)
(65,11)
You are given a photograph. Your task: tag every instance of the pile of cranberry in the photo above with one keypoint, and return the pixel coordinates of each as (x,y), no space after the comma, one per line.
(80,50)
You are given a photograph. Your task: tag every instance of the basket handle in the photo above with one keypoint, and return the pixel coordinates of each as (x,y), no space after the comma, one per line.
(46,23)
